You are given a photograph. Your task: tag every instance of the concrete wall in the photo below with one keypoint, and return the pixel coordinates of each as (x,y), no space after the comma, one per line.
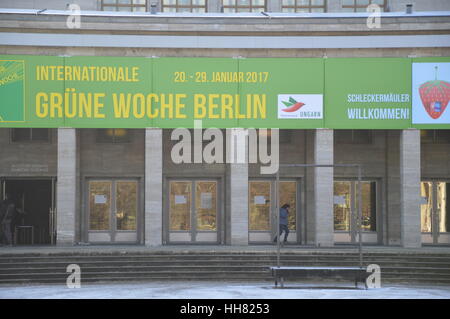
(27,159)
(435,161)
(50,4)
(230,53)
(112,159)
(215,5)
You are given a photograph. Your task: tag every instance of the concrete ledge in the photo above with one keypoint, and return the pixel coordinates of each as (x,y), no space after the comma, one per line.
(208,249)
(241,23)
(223,42)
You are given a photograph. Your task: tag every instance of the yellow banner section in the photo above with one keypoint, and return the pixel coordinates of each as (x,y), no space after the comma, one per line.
(73,104)
(86,73)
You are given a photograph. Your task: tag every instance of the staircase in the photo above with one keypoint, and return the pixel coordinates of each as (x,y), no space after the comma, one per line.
(203,265)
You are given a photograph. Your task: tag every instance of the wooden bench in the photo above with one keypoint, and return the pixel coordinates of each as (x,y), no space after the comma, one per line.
(356,274)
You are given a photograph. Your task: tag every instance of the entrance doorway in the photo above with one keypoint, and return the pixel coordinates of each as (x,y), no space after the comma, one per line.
(435,212)
(193,207)
(345,211)
(36,198)
(113,207)
(262,221)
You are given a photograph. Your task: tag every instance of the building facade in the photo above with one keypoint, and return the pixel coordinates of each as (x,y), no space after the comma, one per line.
(119,184)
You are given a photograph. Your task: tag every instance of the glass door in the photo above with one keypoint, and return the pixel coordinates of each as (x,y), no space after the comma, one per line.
(345,211)
(262,220)
(193,211)
(435,213)
(113,211)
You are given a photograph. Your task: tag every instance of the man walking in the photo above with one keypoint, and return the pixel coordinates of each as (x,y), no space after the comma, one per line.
(284,213)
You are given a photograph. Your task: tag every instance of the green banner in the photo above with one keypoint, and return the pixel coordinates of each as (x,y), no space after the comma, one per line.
(297,93)
(368,93)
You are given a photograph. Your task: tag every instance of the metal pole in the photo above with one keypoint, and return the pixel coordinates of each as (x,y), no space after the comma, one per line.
(277,214)
(360,218)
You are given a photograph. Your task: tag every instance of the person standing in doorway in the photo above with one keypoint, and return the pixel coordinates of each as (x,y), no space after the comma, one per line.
(3,208)
(284,213)
(8,216)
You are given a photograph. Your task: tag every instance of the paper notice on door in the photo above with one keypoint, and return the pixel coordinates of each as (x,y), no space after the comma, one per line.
(180,199)
(339,200)
(259,200)
(100,199)
(206,200)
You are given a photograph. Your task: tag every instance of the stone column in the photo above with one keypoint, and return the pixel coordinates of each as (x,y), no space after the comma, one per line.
(410,188)
(153,186)
(309,188)
(237,155)
(323,188)
(66,186)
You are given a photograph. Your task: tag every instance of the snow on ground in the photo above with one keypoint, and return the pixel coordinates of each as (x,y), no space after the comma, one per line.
(221,290)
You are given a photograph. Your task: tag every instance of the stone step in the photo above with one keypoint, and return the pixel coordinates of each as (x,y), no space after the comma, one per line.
(6,267)
(199,271)
(413,276)
(25,268)
(51,268)
(271,259)
(243,278)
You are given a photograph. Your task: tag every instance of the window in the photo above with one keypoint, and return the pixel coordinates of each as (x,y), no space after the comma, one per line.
(342,207)
(230,6)
(353,136)
(184,6)
(19,135)
(124,5)
(435,213)
(361,5)
(435,136)
(303,6)
(261,205)
(113,135)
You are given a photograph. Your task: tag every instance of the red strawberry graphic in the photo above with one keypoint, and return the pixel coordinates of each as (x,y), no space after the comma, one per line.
(293,105)
(435,96)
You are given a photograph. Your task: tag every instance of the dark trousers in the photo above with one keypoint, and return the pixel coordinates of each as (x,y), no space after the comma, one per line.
(285,229)
(6,232)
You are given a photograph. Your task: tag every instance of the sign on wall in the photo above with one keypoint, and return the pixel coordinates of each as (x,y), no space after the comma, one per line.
(124,92)
(368,93)
(430,92)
